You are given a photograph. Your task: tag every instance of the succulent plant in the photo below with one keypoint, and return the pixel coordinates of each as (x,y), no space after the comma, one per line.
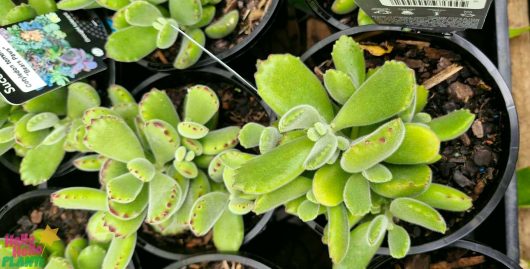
(151,164)
(11,13)
(361,160)
(42,130)
(156,22)
(344,7)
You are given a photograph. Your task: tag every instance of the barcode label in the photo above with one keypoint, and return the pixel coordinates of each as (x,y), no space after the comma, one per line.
(462,4)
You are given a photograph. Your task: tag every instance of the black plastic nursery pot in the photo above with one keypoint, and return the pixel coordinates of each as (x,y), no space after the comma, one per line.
(337,21)
(491,258)
(23,205)
(173,83)
(481,66)
(235,52)
(248,261)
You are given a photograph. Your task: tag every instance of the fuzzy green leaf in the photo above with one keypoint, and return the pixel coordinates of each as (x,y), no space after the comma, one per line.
(58,263)
(124,189)
(299,117)
(7,134)
(163,140)
(328,185)
(74,4)
(219,140)
(285,194)
(348,57)
(192,130)
(274,169)
(250,134)
(368,151)
(407,181)
(445,198)
(198,187)
(201,104)
(126,36)
(386,93)
(96,231)
(164,195)
(120,252)
(422,97)
(80,198)
(339,228)
(308,211)
(97,112)
(377,229)
(378,174)
(186,12)
(33,170)
(398,242)
(113,4)
(189,53)
(122,228)
(141,13)
(269,139)
(81,96)
(156,105)
(91,257)
(419,213)
(130,210)
(452,125)
(360,253)
(206,211)
(5,7)
(110,170)
(142,169)
(339,85)
(120,95)
(357,196)
(228,232)
(322,152)
(18,13)
(26,138)
(89,163)
(73,249)
(235,158)
(240,206)
(421,145)
(285,82)
(224,26)
(54,102)
(208,14)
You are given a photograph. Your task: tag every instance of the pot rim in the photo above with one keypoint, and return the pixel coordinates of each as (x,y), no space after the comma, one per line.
(464,244)
(319,10)
(144,87)
(513,149)
(230,54)
(243,258)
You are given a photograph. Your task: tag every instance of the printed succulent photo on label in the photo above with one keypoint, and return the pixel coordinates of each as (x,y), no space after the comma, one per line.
(434,15)
(49,52)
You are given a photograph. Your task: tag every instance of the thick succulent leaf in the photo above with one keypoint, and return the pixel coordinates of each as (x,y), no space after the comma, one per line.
(19,13)
(452,125)
(220,140)
(275,169)
(368,151)
(421,145)
(192,130)
(110,170)
(163,140)
(126,36)
(71,143)
(398,242)
(96,231)
(206,211)
(228,232)
(408,114)
(348,57)
(224,26)
(445,198)
(141,13)
(339,241)
(299,117)
(216,169)
(328,185)
(26,138)
(269,139)
(54,102)
(198,187)
(377,230)
(124,188)
(186,168)
(42,121)
(422,118)
(120,252)
(122,228)
(269,201)
(128,112)
(74,248)
(74,4)
(89,163)
(208,14)
(156,105)
(339,85)
(111,137)
(81,96)
(97,112)
(41,162)
(291,207)
(201,104)
(167,34)
(80,198)
(7,134)
(250,135)
(130,210)
(164,195)
(91,257)
(5,7)
(419,213)
(240,206)
(357,195)
(113,4)
(5,147)
(186,12)
(378,174)
(422,96)
(119,21)
(407,181)
(310,195)
(322,152)
(120,95)
(386,93)
(308,211)
(285,82)
(360,253)
(58,263)
(189,53)
(235,158)
(142,169)
(193,145)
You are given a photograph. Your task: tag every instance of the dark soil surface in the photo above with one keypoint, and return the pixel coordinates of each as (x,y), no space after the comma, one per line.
(446,259)
(472,162)
(349,19)
(71,223)
(251,12)
(216,265)
(237,107)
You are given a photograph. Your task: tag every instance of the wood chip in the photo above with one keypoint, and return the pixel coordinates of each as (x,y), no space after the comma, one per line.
(460,263)
(442,76)
(477,129)
(160,55)
(419,44)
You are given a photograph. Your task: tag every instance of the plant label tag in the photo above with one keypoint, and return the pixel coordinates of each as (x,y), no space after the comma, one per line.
(49,52)
(437,15)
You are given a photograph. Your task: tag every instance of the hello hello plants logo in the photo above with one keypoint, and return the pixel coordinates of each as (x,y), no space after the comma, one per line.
(25,250)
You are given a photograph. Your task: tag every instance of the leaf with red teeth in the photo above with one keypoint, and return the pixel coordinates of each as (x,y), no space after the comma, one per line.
(142,169)
(206,211)
(124,188)
(164,194)
(219,140)
(163,140)
(110,170)
(120,95)
(192,130)
(192,145)
(95,229)
(120,252)
(81,96)
(201,104)
(80,198)
(198,187)
(122,228)
(89,163)
(96,112)
(130,210)
(156,105)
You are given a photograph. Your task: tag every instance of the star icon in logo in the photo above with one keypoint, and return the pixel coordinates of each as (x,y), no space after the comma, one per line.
(49,236)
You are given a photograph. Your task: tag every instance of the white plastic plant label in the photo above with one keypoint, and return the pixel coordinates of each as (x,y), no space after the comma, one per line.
(441,15)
